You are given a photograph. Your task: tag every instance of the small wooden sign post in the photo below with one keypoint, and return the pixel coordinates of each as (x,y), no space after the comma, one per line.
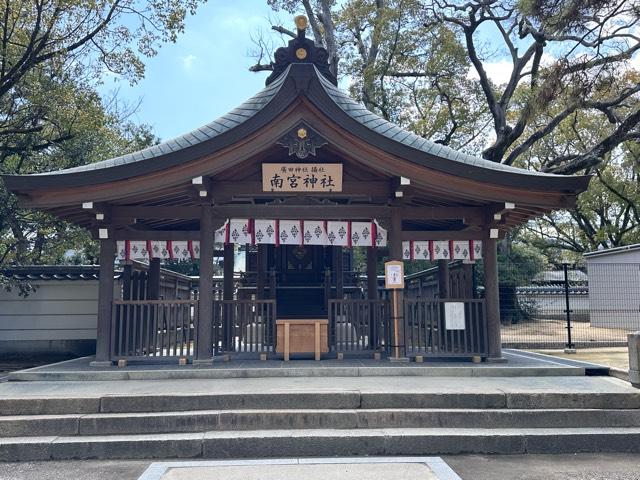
(394,280)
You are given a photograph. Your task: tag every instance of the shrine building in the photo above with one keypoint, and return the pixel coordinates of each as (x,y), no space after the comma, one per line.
(299,176)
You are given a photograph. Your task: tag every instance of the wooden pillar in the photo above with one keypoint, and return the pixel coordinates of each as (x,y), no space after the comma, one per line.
(444,280)
(261,270)
(105,303)
(204,336)
(338,272)
(492,299)
(372,294)
(227,294)
(153,282)
(228,271)
(395,253)
(126,280)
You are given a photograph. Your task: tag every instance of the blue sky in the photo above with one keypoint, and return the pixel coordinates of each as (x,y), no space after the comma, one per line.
(204,74)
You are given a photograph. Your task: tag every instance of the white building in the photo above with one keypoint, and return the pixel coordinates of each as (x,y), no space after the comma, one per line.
(614,287)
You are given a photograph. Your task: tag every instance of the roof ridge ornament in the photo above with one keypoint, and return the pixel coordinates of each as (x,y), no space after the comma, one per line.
(301,50)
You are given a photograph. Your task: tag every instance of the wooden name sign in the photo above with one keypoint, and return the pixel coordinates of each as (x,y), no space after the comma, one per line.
(301,177)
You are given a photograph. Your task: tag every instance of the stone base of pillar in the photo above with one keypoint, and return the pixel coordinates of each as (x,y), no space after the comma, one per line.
(399,359)
(103,363)
(496,360)
(203,361)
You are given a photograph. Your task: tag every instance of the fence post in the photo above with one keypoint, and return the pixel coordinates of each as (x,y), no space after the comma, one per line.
(570,347)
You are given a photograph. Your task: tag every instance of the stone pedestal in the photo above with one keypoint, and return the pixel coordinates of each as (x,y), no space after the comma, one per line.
(634,358)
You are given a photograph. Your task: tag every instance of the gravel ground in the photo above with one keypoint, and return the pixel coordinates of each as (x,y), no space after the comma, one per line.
(555,332)
(613,357)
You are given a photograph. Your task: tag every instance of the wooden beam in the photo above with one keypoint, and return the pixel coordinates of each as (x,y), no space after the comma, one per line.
(156,235)
(226,189)
(471,215)
(298,212)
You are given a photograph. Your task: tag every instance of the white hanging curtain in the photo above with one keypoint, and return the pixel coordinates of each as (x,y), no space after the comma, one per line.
(380,235)
(220,236)
(239,231)
(338,233)
(315,232)
(265,232)
(290,232)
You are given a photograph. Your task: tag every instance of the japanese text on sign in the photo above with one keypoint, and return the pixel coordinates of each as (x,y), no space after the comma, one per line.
(302,177)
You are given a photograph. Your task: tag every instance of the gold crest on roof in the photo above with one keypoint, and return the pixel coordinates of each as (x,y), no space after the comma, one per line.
(301,22)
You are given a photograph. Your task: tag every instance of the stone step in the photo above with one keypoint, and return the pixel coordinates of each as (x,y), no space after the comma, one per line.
(235,420)
(170,402)
(324,442)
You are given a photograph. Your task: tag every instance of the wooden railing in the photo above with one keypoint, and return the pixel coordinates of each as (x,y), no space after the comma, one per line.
(358,325)
(426,331)
(153,328)
(244,326)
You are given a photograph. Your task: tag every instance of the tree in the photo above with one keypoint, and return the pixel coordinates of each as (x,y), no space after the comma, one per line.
(53,54)
(570,103)
(380,46)
(556,49)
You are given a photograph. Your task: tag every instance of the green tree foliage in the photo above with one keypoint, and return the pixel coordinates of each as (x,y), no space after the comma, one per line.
(53,54)
(569,104)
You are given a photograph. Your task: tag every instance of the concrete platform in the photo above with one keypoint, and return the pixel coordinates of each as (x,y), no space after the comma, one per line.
(519,364)
(390,468)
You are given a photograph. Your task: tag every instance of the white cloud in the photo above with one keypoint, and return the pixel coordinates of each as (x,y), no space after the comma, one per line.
(187,62)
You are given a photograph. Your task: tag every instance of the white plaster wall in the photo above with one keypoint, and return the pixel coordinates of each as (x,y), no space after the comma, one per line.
(614,291)
(57,310)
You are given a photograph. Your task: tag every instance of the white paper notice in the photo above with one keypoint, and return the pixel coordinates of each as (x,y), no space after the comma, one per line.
(454,315)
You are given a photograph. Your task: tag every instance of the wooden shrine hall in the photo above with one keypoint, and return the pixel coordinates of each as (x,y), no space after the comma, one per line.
(299,175)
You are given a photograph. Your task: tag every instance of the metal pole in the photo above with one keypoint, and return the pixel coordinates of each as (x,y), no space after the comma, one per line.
(570,347)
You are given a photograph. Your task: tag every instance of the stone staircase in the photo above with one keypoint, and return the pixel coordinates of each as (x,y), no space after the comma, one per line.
(316,423)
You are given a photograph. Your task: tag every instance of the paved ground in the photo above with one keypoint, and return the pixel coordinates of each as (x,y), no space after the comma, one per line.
(519,363)
(612,357)
(406,384)
(547,467)
(468,467)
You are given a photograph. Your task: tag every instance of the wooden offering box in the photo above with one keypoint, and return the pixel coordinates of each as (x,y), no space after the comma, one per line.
(302,336)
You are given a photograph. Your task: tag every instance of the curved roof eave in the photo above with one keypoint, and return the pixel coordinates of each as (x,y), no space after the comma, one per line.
(389,137)
(262,108)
